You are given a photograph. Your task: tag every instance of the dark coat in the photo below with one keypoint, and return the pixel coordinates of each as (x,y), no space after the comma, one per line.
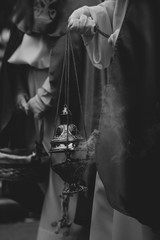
(128,153)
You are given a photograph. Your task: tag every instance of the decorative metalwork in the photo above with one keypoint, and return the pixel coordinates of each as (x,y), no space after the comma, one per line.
(67,139)
(67,135)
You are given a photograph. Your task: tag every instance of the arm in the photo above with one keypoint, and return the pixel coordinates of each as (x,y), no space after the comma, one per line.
(33,51)
(99,49)
(41,102)
(108,17)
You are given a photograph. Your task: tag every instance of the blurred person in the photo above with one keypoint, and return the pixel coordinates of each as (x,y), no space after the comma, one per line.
(11,130)
(35,56)
(128,151)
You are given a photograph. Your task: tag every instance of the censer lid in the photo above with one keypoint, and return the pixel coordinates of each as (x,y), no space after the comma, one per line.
(67,135)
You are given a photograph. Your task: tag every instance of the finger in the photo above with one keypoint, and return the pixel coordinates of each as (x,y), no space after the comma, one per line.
(83,19)
(75,25)
(82,23)
(93,25)
(70,23)
(90,26)
(74,16)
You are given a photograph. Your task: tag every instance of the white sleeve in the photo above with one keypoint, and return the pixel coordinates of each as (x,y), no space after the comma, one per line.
(98,48)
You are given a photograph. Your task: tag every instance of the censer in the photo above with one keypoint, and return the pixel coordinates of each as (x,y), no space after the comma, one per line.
(68,140)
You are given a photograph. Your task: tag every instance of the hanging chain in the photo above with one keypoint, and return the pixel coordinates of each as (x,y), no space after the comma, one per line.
(69,52)
(61,84)
(77,82)
(66,61)
(67,87)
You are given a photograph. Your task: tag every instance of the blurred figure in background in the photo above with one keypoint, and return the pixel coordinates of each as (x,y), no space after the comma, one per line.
(35,56)
(11,132)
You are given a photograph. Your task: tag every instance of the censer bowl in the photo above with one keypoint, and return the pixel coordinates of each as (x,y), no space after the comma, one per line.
(70,171)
